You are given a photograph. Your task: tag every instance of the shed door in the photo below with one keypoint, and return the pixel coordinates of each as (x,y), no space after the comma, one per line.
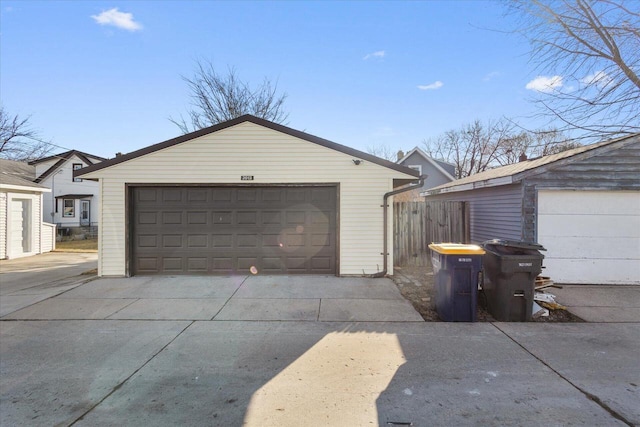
(227,230)
(591,237)
(20,227)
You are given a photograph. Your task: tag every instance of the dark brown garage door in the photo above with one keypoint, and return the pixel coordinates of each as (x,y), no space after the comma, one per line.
(226,230)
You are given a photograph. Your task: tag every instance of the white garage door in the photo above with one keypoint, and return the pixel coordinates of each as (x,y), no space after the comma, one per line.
(592,237)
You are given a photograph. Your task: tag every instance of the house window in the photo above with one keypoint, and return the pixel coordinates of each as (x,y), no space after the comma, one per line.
(416,167)
(69,208)
(77,166)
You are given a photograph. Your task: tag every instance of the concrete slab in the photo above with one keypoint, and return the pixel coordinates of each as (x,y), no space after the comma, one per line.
(32,295)
(310,373)
(317,287)
(601,359)
(368,310)
(159,287)
(607,314)
(599,303)
(23,273)
(270,309)
(171,309)
(67,308)
(53,372)
(598,296)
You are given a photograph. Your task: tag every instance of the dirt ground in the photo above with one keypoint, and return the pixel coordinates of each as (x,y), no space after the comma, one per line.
(417,285)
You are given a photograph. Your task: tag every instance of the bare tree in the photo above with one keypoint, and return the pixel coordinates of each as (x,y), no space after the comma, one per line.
(532,144)
(383,151)
(217,98)
(478,146)
(18,140)
(590,51)
(473,148)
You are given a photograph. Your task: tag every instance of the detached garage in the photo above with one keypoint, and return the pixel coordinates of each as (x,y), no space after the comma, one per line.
(245,196)
(582,205)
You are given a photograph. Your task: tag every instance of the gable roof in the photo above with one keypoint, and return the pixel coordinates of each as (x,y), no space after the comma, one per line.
(434,162)
(63,158)
(255,120)
(517,171)
(20,169)
(18,176)
(9,181)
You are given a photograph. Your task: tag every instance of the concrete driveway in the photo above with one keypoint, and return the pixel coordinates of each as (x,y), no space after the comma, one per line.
(289,351)
(28,280)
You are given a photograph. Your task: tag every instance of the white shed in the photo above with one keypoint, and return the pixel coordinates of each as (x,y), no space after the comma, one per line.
(245,196)
(22,233)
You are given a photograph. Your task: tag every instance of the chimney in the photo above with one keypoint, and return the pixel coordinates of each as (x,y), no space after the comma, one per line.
(400,155)
(523,157)
(118,154)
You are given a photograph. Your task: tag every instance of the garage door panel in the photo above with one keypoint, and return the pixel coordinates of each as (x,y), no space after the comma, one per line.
(593,202)
(197,241)
(197,218)
(589,225)
(222,230)
(591,248)
(591,237)
(573,271)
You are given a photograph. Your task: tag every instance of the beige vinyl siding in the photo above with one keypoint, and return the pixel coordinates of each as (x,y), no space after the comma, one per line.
(270,157)
(3,225)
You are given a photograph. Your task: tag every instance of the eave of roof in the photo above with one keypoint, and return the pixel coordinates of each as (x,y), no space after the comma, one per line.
(84,156)
(255,120)
(517,171)
(14,182)
(64,157)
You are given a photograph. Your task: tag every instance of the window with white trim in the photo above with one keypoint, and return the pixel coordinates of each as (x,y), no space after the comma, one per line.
(77,166)
(69,208)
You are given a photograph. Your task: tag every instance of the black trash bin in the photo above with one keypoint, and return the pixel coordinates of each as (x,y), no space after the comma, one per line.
(457,270)
(510,271)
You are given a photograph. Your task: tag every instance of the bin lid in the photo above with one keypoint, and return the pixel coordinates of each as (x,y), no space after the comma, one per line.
(514,244)
(456,249)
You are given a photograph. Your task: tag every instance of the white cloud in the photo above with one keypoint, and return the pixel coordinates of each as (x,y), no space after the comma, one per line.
(599,78)
(491,76)
(377,54)
(117,19)
(433,86)
(545,83)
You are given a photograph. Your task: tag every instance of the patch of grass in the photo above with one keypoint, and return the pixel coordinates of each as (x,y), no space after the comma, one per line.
(89,245)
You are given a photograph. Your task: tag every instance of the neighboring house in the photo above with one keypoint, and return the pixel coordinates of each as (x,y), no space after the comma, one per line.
(22,233)
(582,205)
(438,172)
(72,202)
(245,196)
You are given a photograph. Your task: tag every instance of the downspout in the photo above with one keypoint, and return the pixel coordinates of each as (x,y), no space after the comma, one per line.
(385,243)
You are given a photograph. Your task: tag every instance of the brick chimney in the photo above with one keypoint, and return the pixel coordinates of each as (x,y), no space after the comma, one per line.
(400,155)
(523,157)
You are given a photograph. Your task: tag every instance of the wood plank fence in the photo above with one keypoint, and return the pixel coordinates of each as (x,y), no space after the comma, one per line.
(417,224)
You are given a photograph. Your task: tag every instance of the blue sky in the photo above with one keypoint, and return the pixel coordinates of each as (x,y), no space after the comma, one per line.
(358,73)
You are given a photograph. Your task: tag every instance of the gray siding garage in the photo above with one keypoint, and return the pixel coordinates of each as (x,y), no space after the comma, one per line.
(583,205)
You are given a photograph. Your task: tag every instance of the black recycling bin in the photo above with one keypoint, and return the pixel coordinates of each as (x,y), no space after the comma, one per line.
(457,271)
(510,271)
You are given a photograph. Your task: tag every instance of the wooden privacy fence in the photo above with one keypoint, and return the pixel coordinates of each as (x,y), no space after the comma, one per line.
(417,224)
